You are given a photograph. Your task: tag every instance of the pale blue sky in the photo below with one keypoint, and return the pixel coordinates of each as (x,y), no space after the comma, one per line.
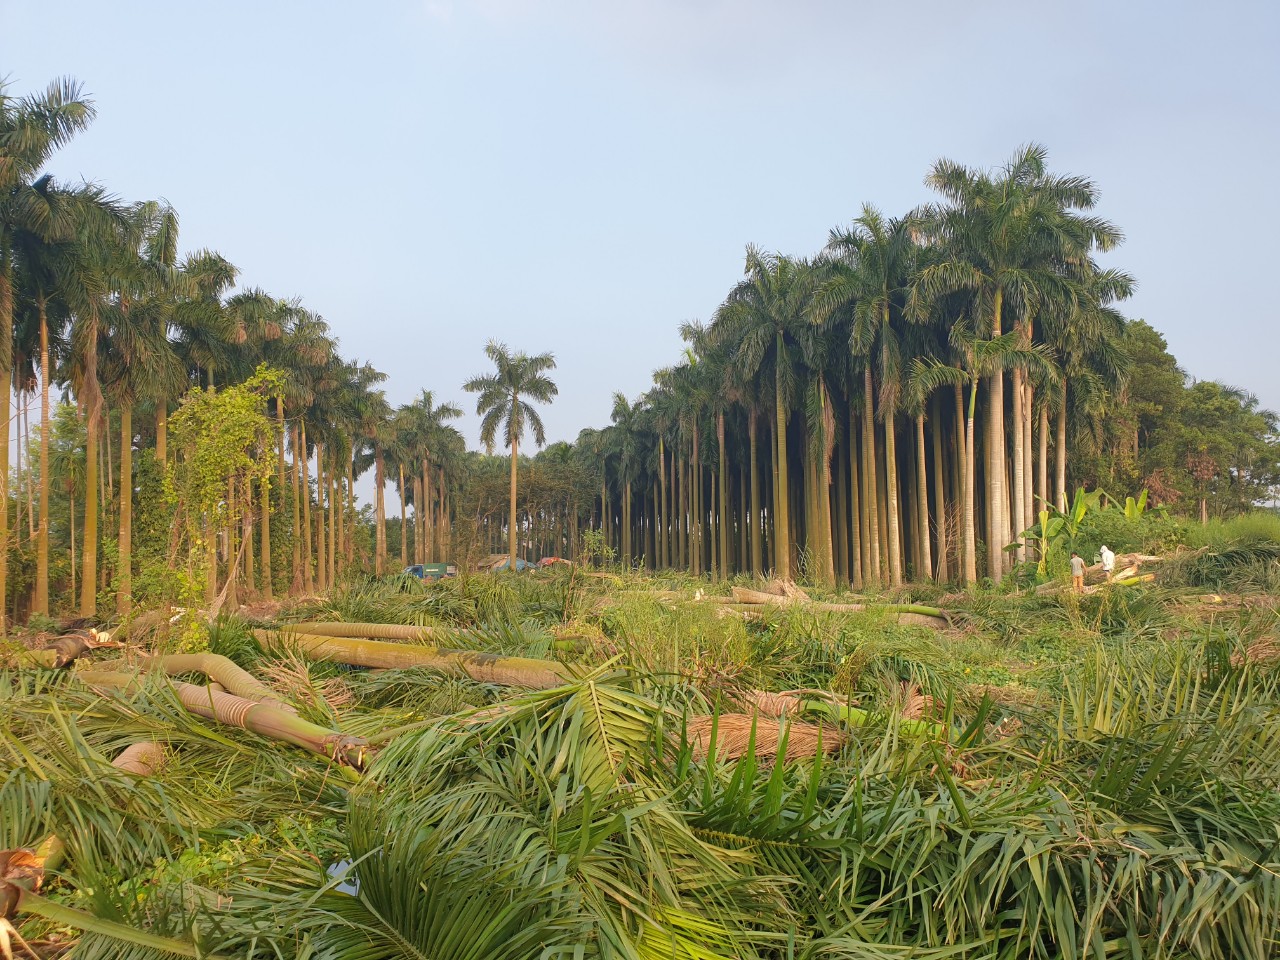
(581,176)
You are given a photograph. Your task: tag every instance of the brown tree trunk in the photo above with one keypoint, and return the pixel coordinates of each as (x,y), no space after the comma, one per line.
(124,575)
(870,495)
(939,493)
(922,480)
(42,532)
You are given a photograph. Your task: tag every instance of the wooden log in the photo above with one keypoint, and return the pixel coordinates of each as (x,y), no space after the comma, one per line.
(485,667)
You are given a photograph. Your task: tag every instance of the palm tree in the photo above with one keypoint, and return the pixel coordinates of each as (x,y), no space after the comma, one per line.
(137,360)
(1010,242)
(870,266)
(980,358)
(766,317)
(624,446)
(501,403)
(31,129)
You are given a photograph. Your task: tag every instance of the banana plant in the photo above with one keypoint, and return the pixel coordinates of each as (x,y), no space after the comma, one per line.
(1056,529)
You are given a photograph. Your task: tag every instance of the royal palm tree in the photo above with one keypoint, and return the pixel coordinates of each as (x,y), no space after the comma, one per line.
(32,128)
(502,402)
(767,316)
(1009,241)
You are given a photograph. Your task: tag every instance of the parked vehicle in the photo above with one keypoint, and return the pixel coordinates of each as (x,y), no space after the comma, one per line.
(431,571)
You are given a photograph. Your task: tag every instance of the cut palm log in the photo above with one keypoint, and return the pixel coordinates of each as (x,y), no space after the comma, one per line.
(912,614)
(367,631)
(221,671)
(260,718)
(485,667)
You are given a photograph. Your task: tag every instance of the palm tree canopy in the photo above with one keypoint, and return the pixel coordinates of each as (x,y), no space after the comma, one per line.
(501,394)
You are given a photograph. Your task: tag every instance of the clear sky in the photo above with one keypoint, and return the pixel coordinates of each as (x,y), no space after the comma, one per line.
(580,176)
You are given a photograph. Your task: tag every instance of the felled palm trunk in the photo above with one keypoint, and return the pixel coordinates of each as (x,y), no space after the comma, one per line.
(261,718)
(485,667)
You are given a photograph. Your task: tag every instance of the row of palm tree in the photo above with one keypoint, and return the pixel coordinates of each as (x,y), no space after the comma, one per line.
(859,377)
(825,421)
(95,299)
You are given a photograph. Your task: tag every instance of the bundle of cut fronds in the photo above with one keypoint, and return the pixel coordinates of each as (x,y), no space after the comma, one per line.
(734,735)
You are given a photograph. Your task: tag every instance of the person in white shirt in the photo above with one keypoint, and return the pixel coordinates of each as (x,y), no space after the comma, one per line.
(1108,561)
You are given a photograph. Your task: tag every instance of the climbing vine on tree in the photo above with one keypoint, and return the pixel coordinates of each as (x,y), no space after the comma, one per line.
(224,442)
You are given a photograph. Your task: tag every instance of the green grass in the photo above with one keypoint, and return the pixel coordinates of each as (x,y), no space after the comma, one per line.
(1108,784)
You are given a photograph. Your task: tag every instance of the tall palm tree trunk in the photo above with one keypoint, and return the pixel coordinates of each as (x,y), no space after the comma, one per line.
(922,481)
(753,517)
(781,480)
(300,455)
(968,531)
(892,511)
(264,524)
(1042,467)
(1019,462)
(89,547)
(857,517)
(1060,439)
(870,495)
(724,497)
(296,505)
(428,521)
(41,604)
(124,575)
(322,490)
(380,515)
(335,513)
(994,441)
(511,532)
(404,522)
(939,492)
(664,540)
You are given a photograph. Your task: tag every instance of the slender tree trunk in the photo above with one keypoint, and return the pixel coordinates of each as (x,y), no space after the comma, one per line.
(1042,472)
(967,524)
(870,495)
(1019,460)
(42,532)
(891,500)
(682,497)
(296,507)
(958,473)
(781,480)
(380,514)
(1060,438)
(695,504)
(998,514)
(322,492)
(89,550)
(264,521)
(724,497)
(428,525)
(335,512)
(939,492)
(246,534)
(124,576)
(754,520)
(857,516)
(922,479)
(1028,453)
(404,523)
(511,534)
(301,455)
(71,518)
(349,527)
(822,491)
(664,548)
